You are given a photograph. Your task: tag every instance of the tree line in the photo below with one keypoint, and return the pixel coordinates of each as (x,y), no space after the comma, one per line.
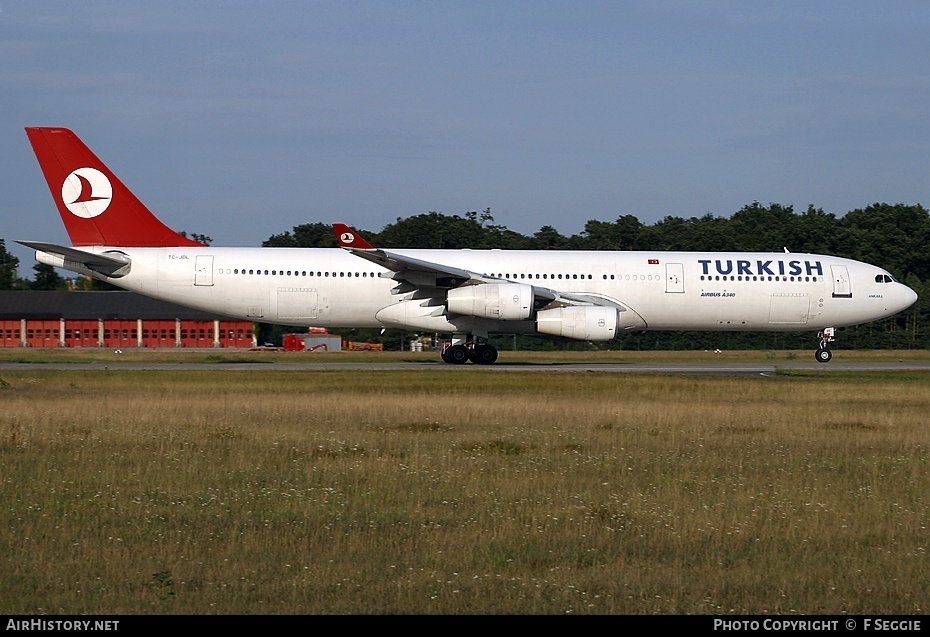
(892,236)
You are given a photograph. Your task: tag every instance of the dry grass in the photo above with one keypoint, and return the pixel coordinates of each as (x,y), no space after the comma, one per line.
(482,492)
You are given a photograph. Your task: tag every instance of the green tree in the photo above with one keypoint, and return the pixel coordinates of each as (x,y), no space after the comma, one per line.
(893,236)
(548,238)
(46,277)
(436,230)
(622,234)
(764,229)
(200,238)
(8,265)
(308,235)
(818,231)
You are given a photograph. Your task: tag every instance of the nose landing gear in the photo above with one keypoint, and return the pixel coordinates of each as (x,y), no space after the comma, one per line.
(824,354)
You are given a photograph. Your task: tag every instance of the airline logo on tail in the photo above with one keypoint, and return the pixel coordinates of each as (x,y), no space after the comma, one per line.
(346,237)
(86,192)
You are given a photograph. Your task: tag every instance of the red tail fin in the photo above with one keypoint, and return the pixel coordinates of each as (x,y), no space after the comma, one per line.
(96,207)
(346,237)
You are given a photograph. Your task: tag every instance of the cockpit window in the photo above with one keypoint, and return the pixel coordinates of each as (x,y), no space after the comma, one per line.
(884,278)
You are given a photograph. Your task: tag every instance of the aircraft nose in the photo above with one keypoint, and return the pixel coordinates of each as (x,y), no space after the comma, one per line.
(908,297)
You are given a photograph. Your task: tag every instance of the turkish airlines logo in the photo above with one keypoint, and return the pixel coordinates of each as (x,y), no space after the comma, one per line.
(86,192)
(347,237)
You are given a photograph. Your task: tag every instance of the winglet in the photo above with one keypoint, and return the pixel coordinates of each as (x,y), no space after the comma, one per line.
(349,238)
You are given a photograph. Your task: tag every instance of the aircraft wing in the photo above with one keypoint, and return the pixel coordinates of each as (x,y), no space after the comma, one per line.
(425,279)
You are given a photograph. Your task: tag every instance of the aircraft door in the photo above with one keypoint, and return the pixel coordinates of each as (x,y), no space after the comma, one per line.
(841,288)
(674,278)
(203,270)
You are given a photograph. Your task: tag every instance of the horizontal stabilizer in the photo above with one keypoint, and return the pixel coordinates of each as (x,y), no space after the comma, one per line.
(111,264)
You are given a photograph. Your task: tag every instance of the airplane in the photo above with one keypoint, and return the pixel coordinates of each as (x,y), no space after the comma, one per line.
(468,294)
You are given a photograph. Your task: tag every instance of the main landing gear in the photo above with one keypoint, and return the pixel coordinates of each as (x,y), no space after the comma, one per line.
(459,352)
(823,353)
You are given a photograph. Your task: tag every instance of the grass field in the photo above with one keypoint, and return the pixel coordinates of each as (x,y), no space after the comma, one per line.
(421,492)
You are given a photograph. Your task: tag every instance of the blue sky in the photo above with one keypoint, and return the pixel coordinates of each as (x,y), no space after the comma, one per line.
(240,120)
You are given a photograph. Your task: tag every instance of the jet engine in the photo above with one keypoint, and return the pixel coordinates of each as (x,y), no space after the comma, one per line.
(499,301)
(581,322)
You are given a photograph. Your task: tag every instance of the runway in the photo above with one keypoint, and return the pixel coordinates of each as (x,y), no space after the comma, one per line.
(680,368)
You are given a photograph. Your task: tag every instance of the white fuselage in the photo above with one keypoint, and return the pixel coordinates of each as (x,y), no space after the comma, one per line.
(660,290)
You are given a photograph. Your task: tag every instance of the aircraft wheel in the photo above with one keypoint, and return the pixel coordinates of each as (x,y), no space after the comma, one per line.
(484,354)
(823,355)
(444,354)
(456,354)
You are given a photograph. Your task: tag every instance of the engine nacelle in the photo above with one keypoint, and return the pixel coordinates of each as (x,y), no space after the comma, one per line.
(499,301)
(582,322)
